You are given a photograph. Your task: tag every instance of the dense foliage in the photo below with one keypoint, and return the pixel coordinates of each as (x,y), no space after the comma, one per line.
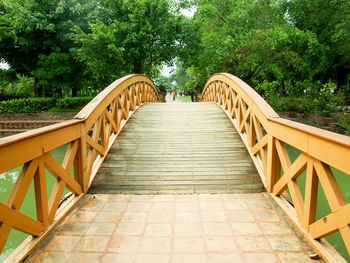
(283,48)
(43,104)
(67,46)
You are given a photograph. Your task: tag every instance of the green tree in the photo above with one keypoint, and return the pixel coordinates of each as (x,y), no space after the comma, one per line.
(43,40)
(131,36)
(253,40)
(330,21)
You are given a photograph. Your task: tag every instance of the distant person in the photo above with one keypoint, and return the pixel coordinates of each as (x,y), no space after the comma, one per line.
(174,94)
(192,95)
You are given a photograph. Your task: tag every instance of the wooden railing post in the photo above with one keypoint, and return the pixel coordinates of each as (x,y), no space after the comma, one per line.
(273,171)
(80,164)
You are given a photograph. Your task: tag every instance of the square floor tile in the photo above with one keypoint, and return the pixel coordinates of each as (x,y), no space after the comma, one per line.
(266,215)
(119,258)
(63,243)
(141,198)
(132,217)
(235,205)
(85,257)
(261,258)
(73,228)
(162,207)
(124,244)
(101,229)
(158,230)
(190,258)
(114,206)
(245,228)
(224,258)
(247,243)
(220,244)
(150,258)
(273,228)
(108,217)
(187,216)
(289,242)
(187,206)
(188,229)
(82,216)
(49,257)
(213,216)
(92,244)
(188,245)
(296,257)
(130,229)
(155,244)
(240,216)
(160,217)
(164,198)
(211,206)
(138,206)
(217,229)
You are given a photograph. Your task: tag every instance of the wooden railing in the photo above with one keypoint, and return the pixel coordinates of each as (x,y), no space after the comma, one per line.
(265,135)
(89,136)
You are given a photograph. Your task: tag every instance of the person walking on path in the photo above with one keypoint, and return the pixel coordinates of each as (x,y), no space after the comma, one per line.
(174,94)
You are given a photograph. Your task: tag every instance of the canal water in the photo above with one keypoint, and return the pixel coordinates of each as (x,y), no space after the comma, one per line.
(8,179)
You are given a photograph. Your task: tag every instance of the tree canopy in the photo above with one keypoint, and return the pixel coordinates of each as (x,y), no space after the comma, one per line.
(69,45)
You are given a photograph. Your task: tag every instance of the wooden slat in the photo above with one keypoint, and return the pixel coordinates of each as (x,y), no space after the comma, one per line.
(331,223)
(41,194)
(70,155)
(292,173)
(257,147)
(19,221)
(330,186)
(61,174)
(5,230)
(55,198)
(207,154)
(311,190)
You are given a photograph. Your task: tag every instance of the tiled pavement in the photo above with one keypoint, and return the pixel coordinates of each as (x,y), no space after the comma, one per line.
(216,228)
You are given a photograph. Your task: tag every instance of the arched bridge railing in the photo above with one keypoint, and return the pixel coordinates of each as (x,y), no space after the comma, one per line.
(267,138)
(89,136)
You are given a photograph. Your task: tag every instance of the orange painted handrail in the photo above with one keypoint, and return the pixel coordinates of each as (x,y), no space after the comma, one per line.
(265,135)
(94,128)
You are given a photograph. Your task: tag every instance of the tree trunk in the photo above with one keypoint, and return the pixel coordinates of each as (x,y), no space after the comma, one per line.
(139,68)
(36,89)
(74,91)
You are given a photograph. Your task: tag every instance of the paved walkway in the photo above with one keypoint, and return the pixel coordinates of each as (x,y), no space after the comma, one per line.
(220,228)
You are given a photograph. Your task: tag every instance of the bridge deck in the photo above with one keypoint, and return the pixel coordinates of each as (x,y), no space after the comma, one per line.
(178,148)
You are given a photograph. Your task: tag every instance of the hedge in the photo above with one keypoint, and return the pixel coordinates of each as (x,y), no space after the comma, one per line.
(73,103)
(29,105)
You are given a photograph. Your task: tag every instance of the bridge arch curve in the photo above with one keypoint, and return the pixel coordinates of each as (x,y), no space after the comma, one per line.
(267,138)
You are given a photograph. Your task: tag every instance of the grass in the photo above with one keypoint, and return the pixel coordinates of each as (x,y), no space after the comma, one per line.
(183,98)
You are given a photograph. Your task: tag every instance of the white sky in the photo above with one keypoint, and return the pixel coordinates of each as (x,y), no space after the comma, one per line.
(4,65)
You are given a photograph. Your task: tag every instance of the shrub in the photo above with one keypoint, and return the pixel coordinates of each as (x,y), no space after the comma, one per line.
(343,120)
(21,88)
(27,105)
(73,102)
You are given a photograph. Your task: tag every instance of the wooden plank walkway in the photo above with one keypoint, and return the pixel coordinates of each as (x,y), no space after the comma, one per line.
(178,148)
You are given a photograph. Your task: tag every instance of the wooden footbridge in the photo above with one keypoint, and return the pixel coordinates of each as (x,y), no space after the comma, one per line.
(196,182)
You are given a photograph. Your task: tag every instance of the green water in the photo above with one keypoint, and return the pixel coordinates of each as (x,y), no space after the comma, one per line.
(7,181)
(323,208)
